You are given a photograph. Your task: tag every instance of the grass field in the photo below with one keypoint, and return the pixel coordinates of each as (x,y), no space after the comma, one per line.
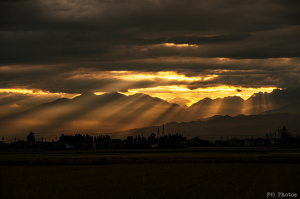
(149,181)
(30,155)
(21,178)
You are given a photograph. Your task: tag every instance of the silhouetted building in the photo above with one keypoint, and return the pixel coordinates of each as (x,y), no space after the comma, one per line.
(261,142)
(115,144)
(275,142)
(249,143)
(236,142)
(3,145)
(154,145)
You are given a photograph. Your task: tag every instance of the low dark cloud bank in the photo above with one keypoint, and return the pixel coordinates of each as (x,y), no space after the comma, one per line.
(43,43)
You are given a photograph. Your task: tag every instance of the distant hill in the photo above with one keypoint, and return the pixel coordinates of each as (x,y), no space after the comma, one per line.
(225,126)
(256,104)
(290,108)
(208,107)
(180,101)
(92,114)
(113,112)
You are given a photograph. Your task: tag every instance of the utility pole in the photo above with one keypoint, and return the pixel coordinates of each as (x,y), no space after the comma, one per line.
(221,141)
(277,131)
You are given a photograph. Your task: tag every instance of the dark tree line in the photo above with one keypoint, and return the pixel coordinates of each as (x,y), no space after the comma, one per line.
(287,140)
(139,142)
(167,141)
(76,138)
(79,141)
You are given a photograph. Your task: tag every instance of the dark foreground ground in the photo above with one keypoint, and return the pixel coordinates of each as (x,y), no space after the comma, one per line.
(148,180)
(206,180)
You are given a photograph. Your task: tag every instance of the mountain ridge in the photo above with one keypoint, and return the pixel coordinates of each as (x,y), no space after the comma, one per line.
(115,112)
(225,126)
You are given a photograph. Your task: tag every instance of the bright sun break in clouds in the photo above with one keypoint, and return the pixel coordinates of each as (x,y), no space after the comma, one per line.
(170,92)
(180,45)
(136,76)
(165,92)
(35,92)
(24,91)
(168,75)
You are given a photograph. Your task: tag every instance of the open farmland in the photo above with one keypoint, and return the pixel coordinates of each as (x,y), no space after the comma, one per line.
(87,157)
(180,173)
(150,181)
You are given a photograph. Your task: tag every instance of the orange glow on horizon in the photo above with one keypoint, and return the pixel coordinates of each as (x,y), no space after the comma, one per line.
(35,92)
(178,45)
(167,93)
(137,76)
(24,91)
(170,92)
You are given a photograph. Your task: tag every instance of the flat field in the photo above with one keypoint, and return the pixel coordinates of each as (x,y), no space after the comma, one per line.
(205,180)
(25,157)
(57,174)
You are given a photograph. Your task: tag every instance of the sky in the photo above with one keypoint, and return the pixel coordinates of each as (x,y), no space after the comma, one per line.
(177,50)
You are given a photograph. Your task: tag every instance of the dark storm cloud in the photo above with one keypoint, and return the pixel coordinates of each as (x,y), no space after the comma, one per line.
(61,37)
(255,73)
(192,39)
(54,80)
(49,31)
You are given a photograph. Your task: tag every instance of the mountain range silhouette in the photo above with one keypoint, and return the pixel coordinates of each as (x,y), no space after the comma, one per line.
(121,115)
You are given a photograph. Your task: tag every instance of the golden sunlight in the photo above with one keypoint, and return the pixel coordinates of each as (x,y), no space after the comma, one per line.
(132,75)
(180,45)
(180,91)
(170,92)
(24,91)
(169,75)
(35,92)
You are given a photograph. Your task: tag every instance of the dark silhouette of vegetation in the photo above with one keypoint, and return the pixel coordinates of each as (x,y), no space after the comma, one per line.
(172,141)
(196,142)
(287,140)
(31,137)
(76,138)
(167,141)
(284,133)
(79,141)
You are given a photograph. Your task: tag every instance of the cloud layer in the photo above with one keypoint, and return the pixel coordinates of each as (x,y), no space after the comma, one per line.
(55,45)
